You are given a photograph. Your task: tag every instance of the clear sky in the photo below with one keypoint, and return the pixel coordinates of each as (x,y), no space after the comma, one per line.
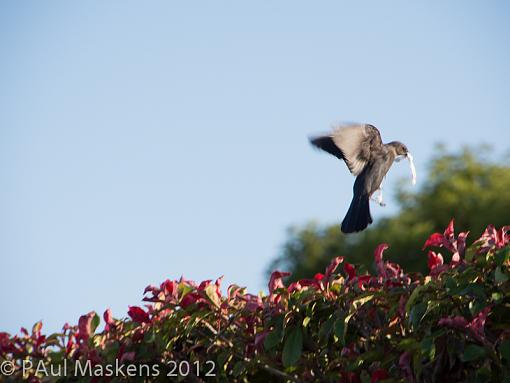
(144,140)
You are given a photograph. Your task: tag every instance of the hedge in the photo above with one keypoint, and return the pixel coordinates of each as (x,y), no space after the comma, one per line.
(343,325)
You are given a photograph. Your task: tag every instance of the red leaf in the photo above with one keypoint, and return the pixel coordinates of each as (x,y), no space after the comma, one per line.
(453,322)
(70,346)
(137,336)
(189,299)
(36,329)
(362,279)
(378,375)
(461,243)
(253,302)
(493,238)
(138,315)
(234,291)
(332,266)
(477,325)
(108,318)
(449,231)
(204,284)
(434,259)
(217,283)
(350,270)
(85,325)
(349,377)
(502,237)
(4,339)
(378,255)
(294,286)
(435,239)
(40,340)
(259,339)
(129,356)
(318,277)
(404,362)
(169,287)
(153,289)
(379,263)
(275,282)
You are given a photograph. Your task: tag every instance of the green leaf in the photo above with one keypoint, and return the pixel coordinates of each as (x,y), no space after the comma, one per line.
(239,368)
(37,327)
(470,254)
(357,303)
(346,321)
(340,330)
(483,375)
(149,336)
(414,295)
(428,347)
(365,377)
(293,347)
(473,352)
(497,297)
(272,339)
(94,323)
(183,289)
(504,349)
(500,276)
(476,306)
(417,313)
(361,269)
(210,291)
(326,329)
(408,344)
(277,321)
(53,339)
(223,359)
(474,289)
(450,284)
(306,321)
(501,256)
(417,365)
(365,358)
(431,306)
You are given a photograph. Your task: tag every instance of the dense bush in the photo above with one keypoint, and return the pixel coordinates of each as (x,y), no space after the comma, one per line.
(341,326)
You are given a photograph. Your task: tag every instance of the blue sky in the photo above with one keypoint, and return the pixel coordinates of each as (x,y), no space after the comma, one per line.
(144,140)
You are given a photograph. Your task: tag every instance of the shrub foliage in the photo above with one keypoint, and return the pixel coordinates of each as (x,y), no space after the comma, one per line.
(342,325)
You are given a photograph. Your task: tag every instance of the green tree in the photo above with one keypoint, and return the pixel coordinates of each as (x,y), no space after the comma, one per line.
(467,186)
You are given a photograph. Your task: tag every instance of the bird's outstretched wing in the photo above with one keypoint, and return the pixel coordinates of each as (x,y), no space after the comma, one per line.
(354,144)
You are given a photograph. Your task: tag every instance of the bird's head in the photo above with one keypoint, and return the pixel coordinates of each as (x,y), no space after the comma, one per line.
(400,148)
(401,152)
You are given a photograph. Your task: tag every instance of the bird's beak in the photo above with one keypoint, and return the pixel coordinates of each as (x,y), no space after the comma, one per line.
(411,166)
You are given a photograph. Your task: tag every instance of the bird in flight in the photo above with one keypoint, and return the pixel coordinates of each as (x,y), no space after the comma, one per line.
(361,148)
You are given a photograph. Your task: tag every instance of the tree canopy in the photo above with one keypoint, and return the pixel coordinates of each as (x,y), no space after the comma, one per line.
(467,185)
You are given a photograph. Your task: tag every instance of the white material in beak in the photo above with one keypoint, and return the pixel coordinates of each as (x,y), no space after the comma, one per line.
(411,166)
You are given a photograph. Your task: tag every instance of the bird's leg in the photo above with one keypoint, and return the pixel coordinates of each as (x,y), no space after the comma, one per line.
(379,198)
(381,203)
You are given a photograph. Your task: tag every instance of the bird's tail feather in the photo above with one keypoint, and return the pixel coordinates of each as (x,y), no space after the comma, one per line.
(358,216)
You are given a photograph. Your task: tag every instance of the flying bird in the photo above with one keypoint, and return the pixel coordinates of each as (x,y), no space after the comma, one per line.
(361,148)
